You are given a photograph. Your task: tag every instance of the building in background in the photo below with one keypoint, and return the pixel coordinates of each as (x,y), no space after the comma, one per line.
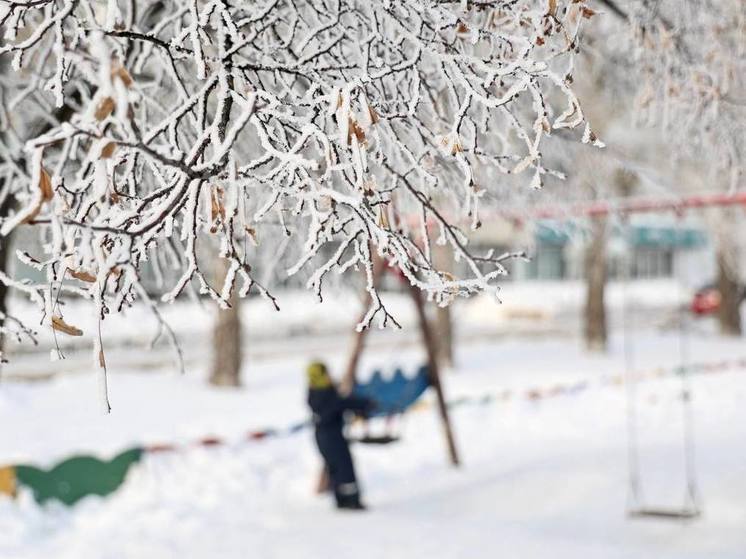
(658,247)
(662,247)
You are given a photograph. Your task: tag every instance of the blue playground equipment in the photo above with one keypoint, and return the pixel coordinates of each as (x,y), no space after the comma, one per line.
(394,395)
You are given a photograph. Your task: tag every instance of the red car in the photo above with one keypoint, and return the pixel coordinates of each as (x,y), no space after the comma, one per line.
(707,300)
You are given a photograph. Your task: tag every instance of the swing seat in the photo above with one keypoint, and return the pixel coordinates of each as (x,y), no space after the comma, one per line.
(394,395)
(375,439)
(665,513)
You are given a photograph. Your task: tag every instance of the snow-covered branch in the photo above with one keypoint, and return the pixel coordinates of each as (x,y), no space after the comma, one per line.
(691,58)
(361,125)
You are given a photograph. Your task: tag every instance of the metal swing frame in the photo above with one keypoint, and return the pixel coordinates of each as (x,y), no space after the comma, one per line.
(622,208)
(636,507)
(348,381)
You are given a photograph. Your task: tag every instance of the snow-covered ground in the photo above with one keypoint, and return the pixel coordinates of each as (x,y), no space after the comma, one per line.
(543,479)
(304,324)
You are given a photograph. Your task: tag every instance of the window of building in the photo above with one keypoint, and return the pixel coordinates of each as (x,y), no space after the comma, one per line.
(547,263)
(652,263)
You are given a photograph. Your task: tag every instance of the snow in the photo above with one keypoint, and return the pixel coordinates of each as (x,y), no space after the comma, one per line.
(540,479)
(301,313)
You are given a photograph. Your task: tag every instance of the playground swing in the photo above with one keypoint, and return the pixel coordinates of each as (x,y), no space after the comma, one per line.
(395,395)
(398,394)
(636,506)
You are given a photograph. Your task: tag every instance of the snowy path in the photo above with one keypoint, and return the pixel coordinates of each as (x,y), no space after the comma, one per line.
(541,479)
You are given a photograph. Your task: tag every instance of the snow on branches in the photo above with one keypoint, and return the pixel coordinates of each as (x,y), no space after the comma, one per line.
(360,128)
(691,57)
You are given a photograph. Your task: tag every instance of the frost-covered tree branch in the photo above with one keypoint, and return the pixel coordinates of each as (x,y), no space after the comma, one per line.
(362,126)
(691,57)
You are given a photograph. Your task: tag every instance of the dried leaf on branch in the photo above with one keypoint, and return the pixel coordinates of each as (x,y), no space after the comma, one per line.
(60,325)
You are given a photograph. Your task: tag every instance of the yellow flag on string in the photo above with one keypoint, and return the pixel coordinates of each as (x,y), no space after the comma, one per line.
(7,480)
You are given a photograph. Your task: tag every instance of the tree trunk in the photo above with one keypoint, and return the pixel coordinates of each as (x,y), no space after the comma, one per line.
(5,256)
(226,342)
(4,261)
(595,275)
(729,314)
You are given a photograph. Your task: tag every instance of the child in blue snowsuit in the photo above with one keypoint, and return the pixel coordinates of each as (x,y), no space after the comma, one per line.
(328,409)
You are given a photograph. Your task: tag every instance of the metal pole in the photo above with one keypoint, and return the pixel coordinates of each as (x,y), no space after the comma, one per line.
(633,459)
(432,362)
(358,342)
(692,496)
